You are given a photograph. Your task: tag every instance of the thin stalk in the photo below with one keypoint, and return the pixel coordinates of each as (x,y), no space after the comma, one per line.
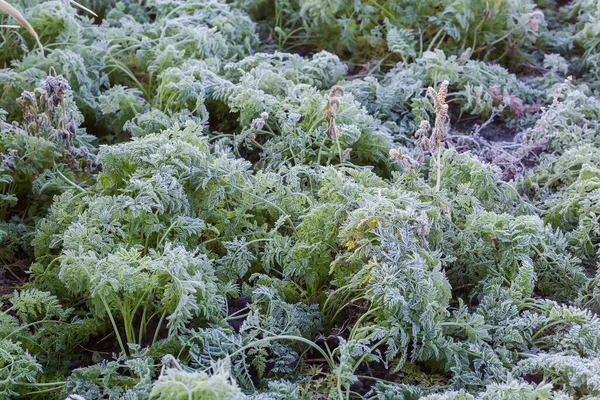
(46,384)
(439,168)
(437,35)
(321,145)
(117,65)
(550,325)
(64,113)
(114,324)
(49,390)
(160,321)
(23,327)
(287,337)
(70,182)
(361,319)
(76,4)
(337,141)
(128,322)
(142,324)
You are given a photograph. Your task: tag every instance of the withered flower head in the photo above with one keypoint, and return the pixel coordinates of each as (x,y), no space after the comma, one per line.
(329,111)
(396,154)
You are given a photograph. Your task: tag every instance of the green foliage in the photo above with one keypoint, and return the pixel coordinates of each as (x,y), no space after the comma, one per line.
(575,374)
(496,246)
(571,118)
(478,89)
(174,383)
(567,188)
(107,380)
(36,155)
(514,389)
(491,29)
(16,366)
(244,221)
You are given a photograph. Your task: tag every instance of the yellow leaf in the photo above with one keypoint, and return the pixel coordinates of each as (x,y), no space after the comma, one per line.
(366,279)
(373,223)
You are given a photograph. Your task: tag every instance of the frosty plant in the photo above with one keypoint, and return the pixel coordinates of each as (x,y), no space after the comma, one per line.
(435,141)
(16,14)
(329,111)
(172,190)
(13,12)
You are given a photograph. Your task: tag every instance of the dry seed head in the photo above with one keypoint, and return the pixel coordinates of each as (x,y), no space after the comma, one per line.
(329,111)
(396,154)
(422,230)
(28,103)
(436,141)
(332,130)
(443,92)
(434,98)
(442,115)
(336,89)
(439,98)
(423,129)
(346,153)
(333,99)
(533,24)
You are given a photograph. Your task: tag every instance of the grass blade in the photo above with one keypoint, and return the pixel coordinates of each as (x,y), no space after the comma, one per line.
(84,8)
(19,17)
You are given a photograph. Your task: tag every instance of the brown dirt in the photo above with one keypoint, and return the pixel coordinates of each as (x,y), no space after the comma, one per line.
(499,145)
(12,276)
(498,133)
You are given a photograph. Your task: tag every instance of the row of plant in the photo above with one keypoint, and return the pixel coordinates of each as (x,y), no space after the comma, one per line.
(300,199)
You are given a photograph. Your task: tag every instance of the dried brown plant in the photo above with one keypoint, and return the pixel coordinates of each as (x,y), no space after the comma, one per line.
(435,142)
(329,111)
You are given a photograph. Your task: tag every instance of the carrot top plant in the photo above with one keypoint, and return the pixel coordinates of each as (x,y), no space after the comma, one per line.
(199,200)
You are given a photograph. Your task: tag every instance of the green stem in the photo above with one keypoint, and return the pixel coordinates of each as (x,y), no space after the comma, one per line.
(60,383)
(339,147)
(70,182)
(361,319)
(437,35)
(160,321)
(49,390)
(127,322)
(287,337)
(550,325)
(114,324)
(142,329)
(362,358)
(439,168)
